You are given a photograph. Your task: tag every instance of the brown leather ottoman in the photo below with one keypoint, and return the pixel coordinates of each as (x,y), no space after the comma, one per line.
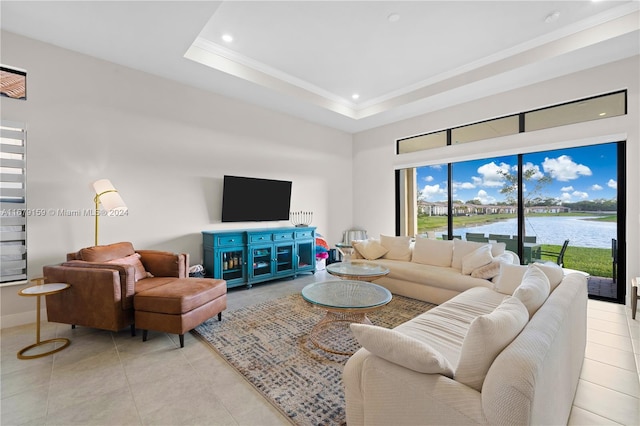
(180,305)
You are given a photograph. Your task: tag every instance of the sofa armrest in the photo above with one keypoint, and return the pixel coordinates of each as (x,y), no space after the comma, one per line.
(126,277)
(379,392)
(96,297)
(164,263)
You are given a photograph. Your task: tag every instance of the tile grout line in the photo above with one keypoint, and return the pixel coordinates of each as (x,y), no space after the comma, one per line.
(124,370)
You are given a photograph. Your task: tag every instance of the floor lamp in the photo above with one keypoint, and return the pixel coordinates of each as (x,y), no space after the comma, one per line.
(108,196)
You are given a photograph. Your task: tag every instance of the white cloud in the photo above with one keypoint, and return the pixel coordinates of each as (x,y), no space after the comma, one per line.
(565,196)
(612,184)
(436,167)
(537,174)
(429,192)
(476,180)
(428,179)
(566,189)
(580,194)
(491,175)
(564,168)
(596,187)
(484,197)
(463,185)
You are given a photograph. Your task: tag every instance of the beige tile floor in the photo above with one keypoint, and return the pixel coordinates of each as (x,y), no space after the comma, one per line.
(107,378)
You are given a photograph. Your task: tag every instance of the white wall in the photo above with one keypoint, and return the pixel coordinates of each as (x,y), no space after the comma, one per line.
(165,146)
(375,162)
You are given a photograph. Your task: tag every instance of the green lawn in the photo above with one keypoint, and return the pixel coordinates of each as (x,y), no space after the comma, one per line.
(596,261)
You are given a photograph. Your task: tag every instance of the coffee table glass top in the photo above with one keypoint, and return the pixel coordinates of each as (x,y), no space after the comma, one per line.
(346,294)
(357,269)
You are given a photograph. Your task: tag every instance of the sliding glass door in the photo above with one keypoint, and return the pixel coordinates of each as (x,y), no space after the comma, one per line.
(564,206)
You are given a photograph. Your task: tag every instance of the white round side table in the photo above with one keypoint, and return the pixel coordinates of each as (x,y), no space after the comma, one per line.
(39,290)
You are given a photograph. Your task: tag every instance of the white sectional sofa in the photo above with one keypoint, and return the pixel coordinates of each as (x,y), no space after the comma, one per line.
(482,357)
(433,270)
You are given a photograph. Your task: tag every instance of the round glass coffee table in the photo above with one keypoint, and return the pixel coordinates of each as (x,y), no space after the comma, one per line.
(346,302)
(359,271)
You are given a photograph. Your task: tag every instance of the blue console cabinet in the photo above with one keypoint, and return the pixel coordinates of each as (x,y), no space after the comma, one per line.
(249,256)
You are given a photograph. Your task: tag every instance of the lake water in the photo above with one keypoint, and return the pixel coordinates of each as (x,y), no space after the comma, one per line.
(580,231)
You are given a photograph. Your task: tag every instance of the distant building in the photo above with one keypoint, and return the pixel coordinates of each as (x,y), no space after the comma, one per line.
(430,208)
(547,209)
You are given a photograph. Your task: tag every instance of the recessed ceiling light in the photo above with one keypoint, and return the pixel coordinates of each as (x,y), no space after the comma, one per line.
(552,17)
(394,17)
(227,38)
(355,96)
(602,114)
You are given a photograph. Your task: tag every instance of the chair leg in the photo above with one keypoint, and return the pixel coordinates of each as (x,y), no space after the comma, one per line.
(181,340)
(144,335)
(73,326)
(219,316)
(133,330)
(634,301)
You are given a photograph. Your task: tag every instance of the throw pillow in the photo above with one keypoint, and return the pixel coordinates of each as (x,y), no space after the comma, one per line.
(510,278)
(399,248)
(487,272)
(533,290)
(498,248)
(492,270)
(134,260)
(401,349)
(355,253)
(432,252)
(477,258)
(462,248)
(553,271)
(487,336)
(370,249)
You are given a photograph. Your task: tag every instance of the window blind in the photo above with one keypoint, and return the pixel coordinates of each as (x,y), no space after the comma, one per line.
(13,217)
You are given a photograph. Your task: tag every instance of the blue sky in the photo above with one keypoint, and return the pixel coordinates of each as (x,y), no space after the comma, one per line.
(585,173)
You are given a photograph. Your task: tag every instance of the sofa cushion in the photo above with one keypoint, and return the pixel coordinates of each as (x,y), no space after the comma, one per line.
(401,349)
(511,276)
(399,248)
(369,249)
(106,253)
(477,258)
(487,336)
(462,248)
(133,260)
(533,290)
(432,252)
(433,276)
(445,326)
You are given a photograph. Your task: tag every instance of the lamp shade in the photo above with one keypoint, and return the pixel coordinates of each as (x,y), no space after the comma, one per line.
(108,196)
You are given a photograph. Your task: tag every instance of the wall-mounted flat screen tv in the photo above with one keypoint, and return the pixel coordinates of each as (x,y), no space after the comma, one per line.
(247,199)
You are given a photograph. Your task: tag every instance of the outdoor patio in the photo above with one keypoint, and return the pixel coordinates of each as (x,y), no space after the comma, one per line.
(603,287)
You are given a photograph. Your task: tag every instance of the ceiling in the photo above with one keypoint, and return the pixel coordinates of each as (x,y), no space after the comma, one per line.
(307,58)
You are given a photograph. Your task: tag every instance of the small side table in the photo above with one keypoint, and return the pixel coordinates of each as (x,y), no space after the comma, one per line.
(346,250)
(39,290)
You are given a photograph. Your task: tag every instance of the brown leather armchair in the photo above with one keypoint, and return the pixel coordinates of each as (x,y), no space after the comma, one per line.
(104,281)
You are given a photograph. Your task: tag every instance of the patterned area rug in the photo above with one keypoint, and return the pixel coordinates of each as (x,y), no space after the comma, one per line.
(268,344)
